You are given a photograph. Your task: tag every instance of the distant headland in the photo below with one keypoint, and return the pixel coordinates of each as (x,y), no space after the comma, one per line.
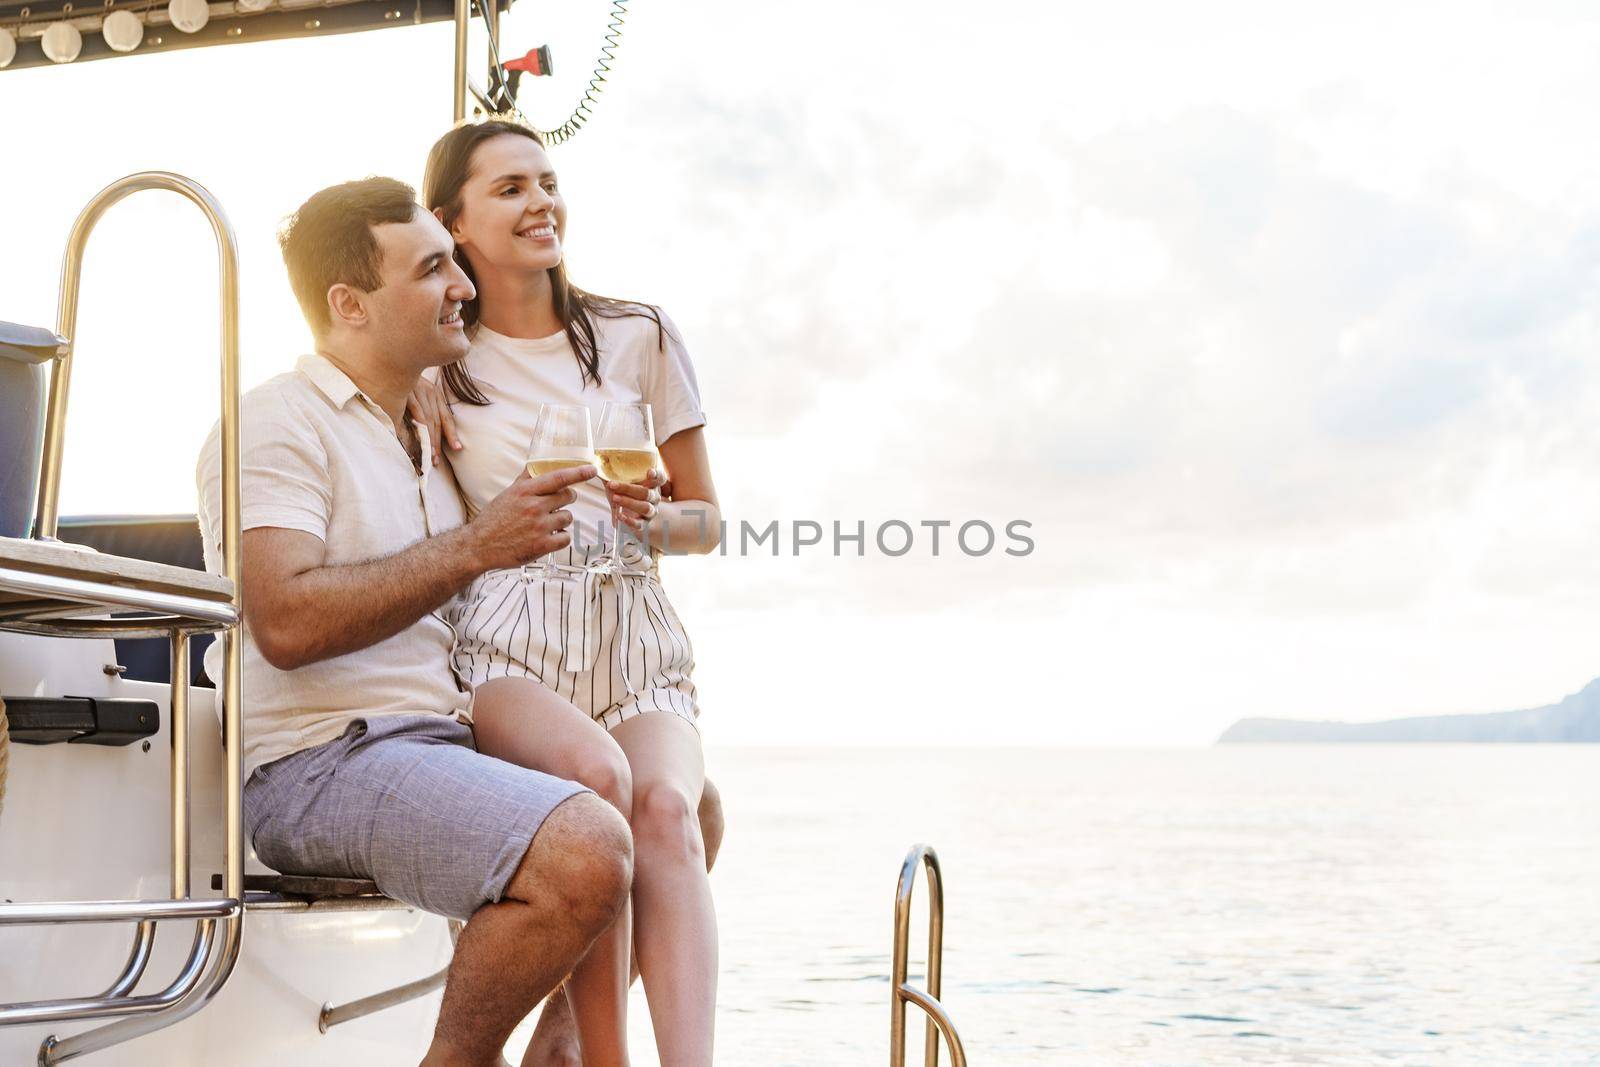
(1577,718)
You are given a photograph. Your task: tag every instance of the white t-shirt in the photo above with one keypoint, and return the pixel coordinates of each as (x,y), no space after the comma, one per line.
(318,456)
(517,375)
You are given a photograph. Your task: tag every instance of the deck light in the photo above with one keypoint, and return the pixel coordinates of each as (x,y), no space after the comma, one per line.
(190,16)
(8,47)
(122,30)
(62,42)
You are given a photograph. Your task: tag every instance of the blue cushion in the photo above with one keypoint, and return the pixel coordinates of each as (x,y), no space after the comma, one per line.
(21,443)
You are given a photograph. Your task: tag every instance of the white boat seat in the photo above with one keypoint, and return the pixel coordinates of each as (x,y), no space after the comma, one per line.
(30,344)
(85,564)
(29,568)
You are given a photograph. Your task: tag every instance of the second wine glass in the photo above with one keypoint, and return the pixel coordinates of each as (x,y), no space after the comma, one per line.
(626,448)
(561,438)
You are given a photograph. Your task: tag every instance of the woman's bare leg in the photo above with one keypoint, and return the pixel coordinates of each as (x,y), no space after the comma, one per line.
(675,923)
(522,722)
(555,1038)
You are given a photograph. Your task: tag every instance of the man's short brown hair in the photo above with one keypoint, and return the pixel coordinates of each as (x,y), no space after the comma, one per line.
(330,240)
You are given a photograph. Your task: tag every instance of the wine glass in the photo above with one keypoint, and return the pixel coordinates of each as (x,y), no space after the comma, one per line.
(561,438)
(626,448)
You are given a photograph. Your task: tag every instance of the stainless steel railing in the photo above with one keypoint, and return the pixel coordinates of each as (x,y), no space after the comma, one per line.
(462,83)
(900,989)
(219,929)
(334,1014)
(459,96)
(144,939)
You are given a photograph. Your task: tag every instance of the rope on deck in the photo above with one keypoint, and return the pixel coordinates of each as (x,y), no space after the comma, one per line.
(5,753)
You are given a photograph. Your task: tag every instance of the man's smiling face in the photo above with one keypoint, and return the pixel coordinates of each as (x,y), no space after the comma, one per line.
(416,313)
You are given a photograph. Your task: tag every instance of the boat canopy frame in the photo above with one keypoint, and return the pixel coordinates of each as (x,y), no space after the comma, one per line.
(229,23)
(24,25)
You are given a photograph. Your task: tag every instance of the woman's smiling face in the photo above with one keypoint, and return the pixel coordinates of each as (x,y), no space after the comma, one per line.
(512,214)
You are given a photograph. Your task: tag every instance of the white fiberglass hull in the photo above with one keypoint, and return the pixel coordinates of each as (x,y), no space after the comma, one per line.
(82,822)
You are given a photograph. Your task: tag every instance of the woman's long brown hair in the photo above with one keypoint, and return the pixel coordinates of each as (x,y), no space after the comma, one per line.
(449,167)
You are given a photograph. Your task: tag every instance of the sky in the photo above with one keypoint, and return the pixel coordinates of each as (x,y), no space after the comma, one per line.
(1278,328)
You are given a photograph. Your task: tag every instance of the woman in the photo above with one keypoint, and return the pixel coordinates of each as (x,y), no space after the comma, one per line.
(581,675)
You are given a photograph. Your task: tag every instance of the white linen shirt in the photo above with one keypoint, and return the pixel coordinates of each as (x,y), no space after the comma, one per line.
(516,375)
(319,456)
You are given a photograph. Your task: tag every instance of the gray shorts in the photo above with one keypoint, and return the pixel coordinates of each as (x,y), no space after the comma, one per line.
(406,801)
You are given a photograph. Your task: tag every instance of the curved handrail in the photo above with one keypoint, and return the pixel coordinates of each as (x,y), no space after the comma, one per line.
(53,1011)
(196,985)
(184,1004)
(937,1016)
(144,939)
(900,989)
(45,521)
(47,512)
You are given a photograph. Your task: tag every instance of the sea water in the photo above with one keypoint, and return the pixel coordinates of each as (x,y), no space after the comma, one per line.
(1315,904)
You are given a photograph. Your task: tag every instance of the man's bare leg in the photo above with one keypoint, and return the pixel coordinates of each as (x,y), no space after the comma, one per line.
(521,721)
(571,884)
(555,1038)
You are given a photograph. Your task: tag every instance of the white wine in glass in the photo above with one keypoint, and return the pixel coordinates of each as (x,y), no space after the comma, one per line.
(625,464)
(537,467)
(561,439)
(626,448)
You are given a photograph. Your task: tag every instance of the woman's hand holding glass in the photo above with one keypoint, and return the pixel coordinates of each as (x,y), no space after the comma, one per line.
(626,450)
(636,503)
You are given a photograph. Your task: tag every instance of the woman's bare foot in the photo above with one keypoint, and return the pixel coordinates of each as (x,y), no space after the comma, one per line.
(555,1037)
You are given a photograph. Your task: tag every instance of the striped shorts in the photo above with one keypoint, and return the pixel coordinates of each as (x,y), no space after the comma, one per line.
(610,644)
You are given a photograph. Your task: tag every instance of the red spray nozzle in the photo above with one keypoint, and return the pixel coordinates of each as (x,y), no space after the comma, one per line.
(536,62)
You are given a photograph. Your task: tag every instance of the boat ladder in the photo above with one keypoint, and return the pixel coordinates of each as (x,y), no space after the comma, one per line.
(49,588)
(901,991)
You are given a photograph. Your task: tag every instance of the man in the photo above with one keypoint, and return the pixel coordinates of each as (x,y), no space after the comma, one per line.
(358,749)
